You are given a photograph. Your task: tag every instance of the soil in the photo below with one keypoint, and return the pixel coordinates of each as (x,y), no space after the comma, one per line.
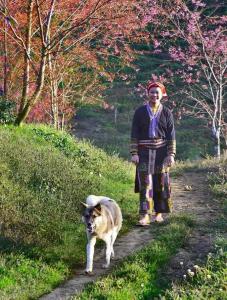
(191,195)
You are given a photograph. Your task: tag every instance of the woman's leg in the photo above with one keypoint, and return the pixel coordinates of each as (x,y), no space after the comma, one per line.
(161,195)
(146,193)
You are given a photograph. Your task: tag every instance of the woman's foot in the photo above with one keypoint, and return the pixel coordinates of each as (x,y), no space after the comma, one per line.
(144,220)
(159,218)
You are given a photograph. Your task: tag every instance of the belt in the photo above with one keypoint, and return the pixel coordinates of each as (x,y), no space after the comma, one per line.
(152,143)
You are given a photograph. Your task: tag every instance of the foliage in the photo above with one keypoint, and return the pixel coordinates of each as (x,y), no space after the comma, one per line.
(47,45)
(6,111)
(194,36)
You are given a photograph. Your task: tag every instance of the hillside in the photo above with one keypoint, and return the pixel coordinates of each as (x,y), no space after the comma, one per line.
(44,176)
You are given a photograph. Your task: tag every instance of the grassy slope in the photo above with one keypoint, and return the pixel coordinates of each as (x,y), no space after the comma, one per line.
(44,175)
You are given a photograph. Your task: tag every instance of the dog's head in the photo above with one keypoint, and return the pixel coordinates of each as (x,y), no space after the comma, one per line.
(91,217)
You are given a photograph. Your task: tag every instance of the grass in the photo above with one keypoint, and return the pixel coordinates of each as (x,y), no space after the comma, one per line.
(204,282)
(44,174)
(209,281)
(24,278)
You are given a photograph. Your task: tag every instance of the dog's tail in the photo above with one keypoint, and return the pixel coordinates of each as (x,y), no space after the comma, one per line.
(93,200)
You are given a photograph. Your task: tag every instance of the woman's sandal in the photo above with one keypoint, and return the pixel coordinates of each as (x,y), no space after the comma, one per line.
(144,221)
(159,218)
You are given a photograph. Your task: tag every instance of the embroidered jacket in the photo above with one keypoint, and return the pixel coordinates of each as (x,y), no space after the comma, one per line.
(164,131)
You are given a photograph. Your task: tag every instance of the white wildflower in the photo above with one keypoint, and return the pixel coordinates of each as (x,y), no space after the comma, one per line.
(209,276)
(221,252)
(181,263)
(191,273)
(196,267)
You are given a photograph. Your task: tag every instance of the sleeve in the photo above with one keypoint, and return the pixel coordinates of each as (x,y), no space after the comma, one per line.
(171,135)
(134,134)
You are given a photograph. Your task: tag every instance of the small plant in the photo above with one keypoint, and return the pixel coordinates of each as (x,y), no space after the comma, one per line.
(6,111)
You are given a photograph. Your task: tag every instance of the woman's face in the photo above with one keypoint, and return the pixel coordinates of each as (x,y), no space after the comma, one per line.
(154,96)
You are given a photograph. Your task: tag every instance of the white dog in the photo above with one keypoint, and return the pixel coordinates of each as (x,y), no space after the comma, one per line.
(103,220)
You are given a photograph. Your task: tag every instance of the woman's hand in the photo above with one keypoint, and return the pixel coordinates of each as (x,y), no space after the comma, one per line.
(135,159)
(169,161)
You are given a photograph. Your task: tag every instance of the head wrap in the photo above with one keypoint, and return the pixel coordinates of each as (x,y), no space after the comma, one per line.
(158,85)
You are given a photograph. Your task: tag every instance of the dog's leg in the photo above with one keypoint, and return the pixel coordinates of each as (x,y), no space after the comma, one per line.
(108,251)
(113,238)
(90,254)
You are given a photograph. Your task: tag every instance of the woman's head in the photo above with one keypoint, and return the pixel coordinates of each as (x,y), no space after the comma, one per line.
(156,91)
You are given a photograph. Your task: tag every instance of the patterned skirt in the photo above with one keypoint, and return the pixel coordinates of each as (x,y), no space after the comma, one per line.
(153,182)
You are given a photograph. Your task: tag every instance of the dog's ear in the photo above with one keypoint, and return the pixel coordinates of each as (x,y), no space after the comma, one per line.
(98,209)
(84,204)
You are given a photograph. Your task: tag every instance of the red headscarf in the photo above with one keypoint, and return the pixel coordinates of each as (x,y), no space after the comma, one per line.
(159,85)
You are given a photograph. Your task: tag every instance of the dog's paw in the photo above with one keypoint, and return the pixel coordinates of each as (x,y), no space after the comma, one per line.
(105,266)
(89,273)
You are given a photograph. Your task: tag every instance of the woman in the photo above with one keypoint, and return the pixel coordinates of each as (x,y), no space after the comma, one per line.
(153,148)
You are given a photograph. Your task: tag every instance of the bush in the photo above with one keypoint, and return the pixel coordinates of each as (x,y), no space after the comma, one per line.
(6,111)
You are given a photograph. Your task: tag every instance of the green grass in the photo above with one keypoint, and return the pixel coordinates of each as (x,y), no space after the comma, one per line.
(209,281)
(24,278)
(205,282)
(44,174)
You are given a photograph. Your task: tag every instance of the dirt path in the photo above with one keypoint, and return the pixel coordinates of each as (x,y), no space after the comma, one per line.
(191,195)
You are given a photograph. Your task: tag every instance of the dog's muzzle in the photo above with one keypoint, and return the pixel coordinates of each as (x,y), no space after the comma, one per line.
(90,227)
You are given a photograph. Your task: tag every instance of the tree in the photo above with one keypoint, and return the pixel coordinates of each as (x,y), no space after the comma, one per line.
(40,33)
(193,34)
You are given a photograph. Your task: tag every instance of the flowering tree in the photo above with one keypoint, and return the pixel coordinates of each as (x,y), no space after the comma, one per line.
(41,33)
(193,34)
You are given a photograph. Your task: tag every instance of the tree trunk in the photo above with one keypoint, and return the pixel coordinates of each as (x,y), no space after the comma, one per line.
(27,52)
(115,115)
(54,92)
(5,56)
(23,113)
(217,148)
